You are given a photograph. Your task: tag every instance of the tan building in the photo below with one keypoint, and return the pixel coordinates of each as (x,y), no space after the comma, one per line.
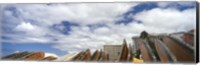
(113,51)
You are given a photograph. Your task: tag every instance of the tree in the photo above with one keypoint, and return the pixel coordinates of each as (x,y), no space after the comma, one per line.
(144,34)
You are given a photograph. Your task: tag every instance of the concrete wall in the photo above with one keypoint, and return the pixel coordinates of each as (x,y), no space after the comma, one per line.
(113,50)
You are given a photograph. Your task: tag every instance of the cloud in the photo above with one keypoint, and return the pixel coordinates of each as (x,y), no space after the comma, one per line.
(34,24)
(25,26)
(167,20)
(26,18)
(82,38)
(28,29)
(27,33)
(76,13)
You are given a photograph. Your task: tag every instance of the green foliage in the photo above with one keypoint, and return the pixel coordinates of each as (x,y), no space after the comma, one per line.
(137,54)
(144,35)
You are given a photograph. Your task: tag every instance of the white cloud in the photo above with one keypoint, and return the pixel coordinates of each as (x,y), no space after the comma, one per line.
(41,40)
(39,17)
(25,27)
(102,30)
(77,13)
(167,20)
(82,37)
(27,32)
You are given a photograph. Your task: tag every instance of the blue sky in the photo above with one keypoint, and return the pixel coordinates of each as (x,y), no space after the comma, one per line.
(70,28)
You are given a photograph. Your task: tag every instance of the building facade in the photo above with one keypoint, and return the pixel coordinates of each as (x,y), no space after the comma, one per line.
(113,51)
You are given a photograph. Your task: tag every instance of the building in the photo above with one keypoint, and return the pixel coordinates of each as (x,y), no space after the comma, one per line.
(29,56)
(125,55)
(134,45)
(113,51)
(87,56)
(66,57)
(175,47)
(189,38)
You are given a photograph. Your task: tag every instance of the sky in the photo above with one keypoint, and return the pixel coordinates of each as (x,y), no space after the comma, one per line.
(72,27)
